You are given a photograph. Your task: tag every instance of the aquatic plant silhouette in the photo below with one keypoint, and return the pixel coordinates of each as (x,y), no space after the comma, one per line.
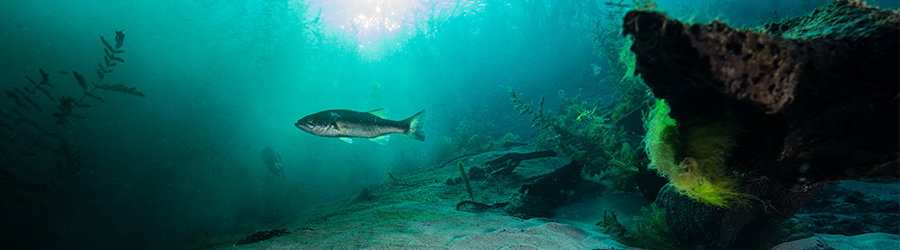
(605,140)
(652,231)
(30,147)
(584,132)
(469,138)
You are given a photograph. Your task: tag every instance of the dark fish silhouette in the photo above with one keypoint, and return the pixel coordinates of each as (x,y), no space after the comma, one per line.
(272,159)
(345,124)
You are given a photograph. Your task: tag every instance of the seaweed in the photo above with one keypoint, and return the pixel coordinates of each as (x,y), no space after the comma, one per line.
(584,132)
(790,230)
(652,231)
(465,140)
(465,177)
(693,154)
(31,147)
(605,137)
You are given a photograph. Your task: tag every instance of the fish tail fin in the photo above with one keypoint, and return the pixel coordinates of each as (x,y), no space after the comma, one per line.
(280,169)
(416,126)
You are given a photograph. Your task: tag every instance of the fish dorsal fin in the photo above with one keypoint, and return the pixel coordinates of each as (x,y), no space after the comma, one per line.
(382,140)
(347,140)
(380,113)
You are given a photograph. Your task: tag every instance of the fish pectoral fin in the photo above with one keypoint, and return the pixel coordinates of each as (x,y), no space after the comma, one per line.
(347,140)
(383,140)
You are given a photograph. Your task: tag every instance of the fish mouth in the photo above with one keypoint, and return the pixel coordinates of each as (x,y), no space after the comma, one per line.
(302,126)
(306,127)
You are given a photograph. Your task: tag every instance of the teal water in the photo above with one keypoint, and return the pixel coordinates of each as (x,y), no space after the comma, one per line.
(223,80)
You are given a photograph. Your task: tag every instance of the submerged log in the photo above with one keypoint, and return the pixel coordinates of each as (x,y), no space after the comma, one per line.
(818,95)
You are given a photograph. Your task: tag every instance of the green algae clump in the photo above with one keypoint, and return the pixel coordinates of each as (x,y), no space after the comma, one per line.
(692,155)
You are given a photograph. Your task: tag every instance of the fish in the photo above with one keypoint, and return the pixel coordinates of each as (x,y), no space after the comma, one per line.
(345,124)
(272,160)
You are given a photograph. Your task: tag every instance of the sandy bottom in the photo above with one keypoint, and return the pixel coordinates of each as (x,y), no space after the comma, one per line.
(419,212)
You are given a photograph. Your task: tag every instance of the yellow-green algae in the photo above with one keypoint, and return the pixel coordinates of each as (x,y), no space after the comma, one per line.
(692,155)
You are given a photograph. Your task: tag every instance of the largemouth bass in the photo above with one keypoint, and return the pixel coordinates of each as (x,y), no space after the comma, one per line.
(345,124)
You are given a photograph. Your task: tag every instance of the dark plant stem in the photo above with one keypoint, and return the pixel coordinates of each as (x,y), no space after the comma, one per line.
(474,203)
(7,117)
(44,133)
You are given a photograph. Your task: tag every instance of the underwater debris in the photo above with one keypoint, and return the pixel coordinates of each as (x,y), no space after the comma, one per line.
(600,143)
(817,95)
(393,179)
(543,193)
(692,155)
(478,206)
(363,196)
(473,203)
(262,235)
(465,178)
(504,165)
